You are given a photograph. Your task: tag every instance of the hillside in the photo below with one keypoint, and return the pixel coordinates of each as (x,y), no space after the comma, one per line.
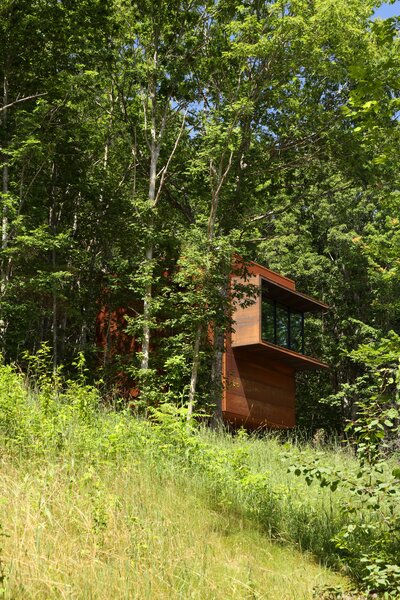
(199,299)
(102,504)
(128,529)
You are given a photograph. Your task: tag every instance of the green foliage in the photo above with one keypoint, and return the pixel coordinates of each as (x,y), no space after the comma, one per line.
(12,404)
(269,129)
(352,521)
(370,542)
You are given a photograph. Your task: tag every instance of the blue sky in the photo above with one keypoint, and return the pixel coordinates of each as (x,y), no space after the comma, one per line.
(388,10)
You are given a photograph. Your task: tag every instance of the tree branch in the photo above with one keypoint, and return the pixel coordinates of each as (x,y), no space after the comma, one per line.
(164,170)
(18,100)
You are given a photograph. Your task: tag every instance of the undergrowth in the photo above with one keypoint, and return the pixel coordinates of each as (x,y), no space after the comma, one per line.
(51,421)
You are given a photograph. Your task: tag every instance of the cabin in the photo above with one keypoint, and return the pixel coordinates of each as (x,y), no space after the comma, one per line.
(262,354)
(265,350)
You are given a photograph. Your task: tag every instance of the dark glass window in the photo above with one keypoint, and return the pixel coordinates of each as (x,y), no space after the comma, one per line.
(281,324)
(268,320)
(296,331)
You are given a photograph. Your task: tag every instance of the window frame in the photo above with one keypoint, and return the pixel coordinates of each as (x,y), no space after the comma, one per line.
(290,311)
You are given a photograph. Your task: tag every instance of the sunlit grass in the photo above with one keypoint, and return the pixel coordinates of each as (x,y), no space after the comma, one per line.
(135,529)
(100,504)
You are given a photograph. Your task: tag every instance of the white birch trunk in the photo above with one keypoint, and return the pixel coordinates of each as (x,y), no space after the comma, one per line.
(217,177)
(4,219)
(155,142)
(195,371)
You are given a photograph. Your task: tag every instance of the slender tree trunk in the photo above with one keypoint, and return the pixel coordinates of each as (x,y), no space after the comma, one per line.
(217,384)
(106,153)
(217,177)
(216,373)
(54,326)
(149,251)
(199,333)
(4,221)
(54,314)
(5,176)
(195,371)
(52,222)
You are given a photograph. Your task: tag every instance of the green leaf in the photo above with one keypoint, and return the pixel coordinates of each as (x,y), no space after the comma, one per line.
(396,472)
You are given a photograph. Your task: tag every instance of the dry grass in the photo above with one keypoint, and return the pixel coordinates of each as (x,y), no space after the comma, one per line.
(130,531)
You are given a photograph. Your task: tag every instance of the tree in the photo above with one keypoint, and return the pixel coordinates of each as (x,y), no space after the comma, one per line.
(144,144)
(42,160)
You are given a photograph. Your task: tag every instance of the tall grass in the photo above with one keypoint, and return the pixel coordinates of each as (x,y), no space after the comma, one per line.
(287,508)
(99,504)
(133,530)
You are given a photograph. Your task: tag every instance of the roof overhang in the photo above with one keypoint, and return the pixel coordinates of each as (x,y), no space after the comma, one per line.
(292,298)
(263,353)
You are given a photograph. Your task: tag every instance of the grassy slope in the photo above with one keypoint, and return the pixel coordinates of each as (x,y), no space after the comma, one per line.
(307,516)
(99,504)
(132,530)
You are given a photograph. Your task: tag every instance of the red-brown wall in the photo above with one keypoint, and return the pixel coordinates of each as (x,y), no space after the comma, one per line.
(257,395)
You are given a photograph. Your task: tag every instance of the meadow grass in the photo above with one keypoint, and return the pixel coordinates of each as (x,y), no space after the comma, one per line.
(101,504)
(305,515)
(136,529)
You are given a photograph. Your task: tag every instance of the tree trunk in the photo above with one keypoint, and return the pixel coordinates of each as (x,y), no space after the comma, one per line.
(197,344)
(195,371)
(4,228)
(219,176)
(54,324)
(52,223)
(147,299)
(216,374)
(4,221)
(155,141)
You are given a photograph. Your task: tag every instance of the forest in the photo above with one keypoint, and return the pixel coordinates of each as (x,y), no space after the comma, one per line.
(143,145)
(154,138)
